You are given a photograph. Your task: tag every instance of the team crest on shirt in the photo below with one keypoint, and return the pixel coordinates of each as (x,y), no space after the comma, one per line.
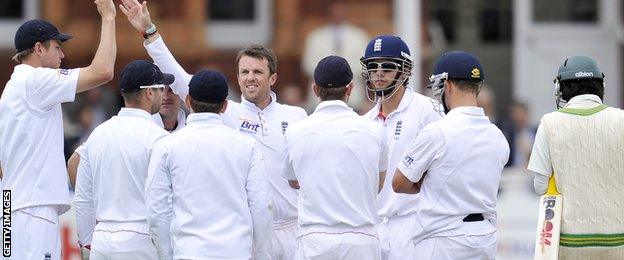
(284,126)
(64,72)
(47,256)
(397,130)
(248,126)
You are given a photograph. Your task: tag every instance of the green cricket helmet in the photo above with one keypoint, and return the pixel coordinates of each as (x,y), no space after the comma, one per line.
(576,67)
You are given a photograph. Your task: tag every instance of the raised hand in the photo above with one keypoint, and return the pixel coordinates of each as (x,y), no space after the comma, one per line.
(106,8)
(137,14)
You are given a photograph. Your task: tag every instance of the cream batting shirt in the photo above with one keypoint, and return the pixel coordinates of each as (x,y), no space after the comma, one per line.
(400,128)
(110,184)
(219,192)
(539,163)
(336,156)
(461,158)
(31,136)
(265,125)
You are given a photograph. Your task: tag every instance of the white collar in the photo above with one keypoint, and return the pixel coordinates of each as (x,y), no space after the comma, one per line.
(253,106)
(126,111)
(467,110)
(195,118)
(408,96)
(332,104)
(584,101)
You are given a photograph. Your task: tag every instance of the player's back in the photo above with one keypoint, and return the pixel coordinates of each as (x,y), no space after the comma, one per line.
(117,153)
(465,177)
(209,165)
(588,148)
(336,157)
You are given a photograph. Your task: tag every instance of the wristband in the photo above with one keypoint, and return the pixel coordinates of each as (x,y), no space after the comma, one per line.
(151,30)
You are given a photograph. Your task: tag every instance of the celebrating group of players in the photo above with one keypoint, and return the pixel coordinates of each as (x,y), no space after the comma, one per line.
(414,178)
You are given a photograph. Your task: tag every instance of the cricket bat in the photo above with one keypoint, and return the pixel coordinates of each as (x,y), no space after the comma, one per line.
(549,223)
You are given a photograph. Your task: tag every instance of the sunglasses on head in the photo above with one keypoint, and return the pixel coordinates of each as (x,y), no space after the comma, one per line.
(385,66)
(162,86)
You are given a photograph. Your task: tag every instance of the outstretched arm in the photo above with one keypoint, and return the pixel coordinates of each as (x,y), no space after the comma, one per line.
(139,17)
(101,69)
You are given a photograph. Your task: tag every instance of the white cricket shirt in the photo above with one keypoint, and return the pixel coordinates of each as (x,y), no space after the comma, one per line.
(220,194)
(336,156)
(400,127)
(463,155)
(181,120)
(110,184)
(31,136)
(265,125)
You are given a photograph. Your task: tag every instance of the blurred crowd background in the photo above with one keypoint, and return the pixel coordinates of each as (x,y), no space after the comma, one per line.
(519,42)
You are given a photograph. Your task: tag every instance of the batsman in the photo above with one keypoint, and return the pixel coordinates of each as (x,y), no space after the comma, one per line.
(582,144)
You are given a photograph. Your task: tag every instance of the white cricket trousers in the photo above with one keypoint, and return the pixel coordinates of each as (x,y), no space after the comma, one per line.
(321,242)
(284,239)
(471,241)
(35,233)
(395,237)
(122,240)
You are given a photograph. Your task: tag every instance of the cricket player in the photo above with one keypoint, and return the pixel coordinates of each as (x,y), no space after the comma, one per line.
(338,160)
(31,130)
(258,115)
(455,165)
(110,186)
(220,206)
(582,145)
(402,113)
(171,116)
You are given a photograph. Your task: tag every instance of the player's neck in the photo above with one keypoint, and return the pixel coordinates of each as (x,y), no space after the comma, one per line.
(393,102)
(33,62)
(463,100)
(142,106)
(262,104)
(169,122)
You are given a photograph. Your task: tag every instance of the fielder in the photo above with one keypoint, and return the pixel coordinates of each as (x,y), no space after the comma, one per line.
(582,144)
(338,160)
(402,113)
(110,186)
(31,129)
(455,165)
(215,176)
(171,116)
(258,115)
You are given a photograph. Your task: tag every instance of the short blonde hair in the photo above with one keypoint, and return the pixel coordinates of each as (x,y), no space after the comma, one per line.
(22,55)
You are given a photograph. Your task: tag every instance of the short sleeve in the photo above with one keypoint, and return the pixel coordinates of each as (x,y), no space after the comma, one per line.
(49,87)
(428,147)
(540,155)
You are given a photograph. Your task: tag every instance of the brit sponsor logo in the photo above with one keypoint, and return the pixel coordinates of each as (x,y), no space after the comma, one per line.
(249,127)
(582,74)
(408,160)
(6,223)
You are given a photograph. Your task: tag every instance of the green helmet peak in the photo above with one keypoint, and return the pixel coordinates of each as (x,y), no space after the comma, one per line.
(579,67)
